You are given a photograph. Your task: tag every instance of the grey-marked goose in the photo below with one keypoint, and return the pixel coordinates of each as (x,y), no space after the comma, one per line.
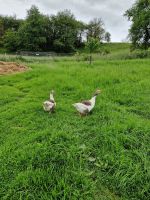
(87,106)
(50,104)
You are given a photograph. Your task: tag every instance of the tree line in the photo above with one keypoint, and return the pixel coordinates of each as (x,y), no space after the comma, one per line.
(64,33)
(60,33)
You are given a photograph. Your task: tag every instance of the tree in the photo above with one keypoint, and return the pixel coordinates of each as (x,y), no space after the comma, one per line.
(1,28)
(81,33)
(95,29)
(32,33)
(1,32)
(139,32)
(107,37)
(64,31)
(8,23)
(92,45)
(11,40)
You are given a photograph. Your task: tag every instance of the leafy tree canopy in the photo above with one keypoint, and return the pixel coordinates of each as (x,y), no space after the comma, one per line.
(95,29)
(107,37)
(64,31)
(92,46)
(139,32)
(32,34)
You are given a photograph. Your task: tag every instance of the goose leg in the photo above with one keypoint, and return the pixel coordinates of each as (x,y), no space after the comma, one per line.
(82,115)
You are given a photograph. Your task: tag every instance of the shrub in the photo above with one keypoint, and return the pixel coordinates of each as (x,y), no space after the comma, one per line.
(137,54)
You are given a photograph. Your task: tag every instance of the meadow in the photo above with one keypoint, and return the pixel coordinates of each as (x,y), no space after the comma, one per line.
(104,156)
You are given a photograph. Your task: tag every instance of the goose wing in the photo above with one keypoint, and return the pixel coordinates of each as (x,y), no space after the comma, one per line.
(82,108)
(48,105)
(86,102)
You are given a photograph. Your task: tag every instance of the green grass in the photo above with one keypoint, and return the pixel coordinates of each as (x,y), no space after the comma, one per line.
(104,156)
(114,51)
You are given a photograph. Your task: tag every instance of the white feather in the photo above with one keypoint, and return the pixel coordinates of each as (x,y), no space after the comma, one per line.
(82,108)
(47,105)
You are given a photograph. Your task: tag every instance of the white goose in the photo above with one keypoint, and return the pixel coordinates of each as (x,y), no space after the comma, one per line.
(50,104)
(86,106)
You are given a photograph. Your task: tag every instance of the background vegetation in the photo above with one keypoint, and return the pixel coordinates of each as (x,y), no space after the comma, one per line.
(139,32)
(64,33)
(38,32)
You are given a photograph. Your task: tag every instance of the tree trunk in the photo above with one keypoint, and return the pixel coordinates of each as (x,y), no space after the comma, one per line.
(90,59)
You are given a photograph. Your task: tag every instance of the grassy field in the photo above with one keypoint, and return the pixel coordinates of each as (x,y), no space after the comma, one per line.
(104,156)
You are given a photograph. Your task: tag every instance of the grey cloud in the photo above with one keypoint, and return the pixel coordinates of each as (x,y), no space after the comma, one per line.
(111,11)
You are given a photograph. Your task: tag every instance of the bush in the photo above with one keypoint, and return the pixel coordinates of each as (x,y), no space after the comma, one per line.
(11,40)
(137,54)
(105,51)
(141,54)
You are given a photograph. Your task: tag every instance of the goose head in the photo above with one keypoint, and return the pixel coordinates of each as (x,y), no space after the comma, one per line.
(97,92)
(52,92)
(52,95)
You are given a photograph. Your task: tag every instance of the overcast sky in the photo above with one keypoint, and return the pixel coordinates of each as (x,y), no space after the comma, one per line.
(111,11)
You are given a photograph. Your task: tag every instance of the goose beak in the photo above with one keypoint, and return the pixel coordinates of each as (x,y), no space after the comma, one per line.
(97,92)
(52,92)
